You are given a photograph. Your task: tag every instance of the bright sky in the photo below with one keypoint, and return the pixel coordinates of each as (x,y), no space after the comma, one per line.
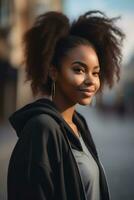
(123,8)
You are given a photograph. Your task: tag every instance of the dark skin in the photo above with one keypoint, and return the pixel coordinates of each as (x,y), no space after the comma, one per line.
(76,82)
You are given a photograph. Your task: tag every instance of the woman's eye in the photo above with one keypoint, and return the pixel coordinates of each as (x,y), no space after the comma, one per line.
(96,73)
(79,70)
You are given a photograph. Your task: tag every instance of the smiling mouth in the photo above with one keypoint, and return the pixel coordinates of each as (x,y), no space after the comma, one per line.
(87,92)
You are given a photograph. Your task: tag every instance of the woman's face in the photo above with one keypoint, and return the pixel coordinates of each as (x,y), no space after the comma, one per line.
(78,79)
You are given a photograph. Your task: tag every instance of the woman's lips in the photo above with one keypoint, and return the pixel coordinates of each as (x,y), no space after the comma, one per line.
(87,92)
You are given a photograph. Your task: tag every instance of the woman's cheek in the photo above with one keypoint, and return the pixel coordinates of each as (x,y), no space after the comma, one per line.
(76,79)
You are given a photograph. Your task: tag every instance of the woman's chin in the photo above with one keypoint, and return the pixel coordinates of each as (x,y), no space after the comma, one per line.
(85,101)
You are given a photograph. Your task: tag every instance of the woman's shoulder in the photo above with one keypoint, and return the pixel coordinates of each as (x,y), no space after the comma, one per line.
(43,123)
(44,120)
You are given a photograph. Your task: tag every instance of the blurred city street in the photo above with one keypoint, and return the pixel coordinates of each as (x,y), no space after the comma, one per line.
(114,138)
(111,125)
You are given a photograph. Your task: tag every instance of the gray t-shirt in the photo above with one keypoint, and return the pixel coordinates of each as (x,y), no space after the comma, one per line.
(89,172)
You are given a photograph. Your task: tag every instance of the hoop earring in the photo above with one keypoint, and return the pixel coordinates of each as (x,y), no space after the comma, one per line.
(53,90)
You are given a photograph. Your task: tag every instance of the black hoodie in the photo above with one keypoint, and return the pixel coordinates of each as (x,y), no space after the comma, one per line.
(42,165)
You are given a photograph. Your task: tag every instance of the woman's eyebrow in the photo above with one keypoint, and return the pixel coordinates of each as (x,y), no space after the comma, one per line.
(84,65)
(80,63)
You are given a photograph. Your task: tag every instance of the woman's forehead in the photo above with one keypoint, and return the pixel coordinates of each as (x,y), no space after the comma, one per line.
(82,53)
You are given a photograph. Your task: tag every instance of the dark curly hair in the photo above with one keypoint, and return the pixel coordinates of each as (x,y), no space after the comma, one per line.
(52,36)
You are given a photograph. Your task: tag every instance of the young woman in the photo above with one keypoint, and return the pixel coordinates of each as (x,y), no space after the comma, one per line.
(55,157)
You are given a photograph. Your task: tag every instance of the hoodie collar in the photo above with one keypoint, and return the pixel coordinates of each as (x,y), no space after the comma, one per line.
(19,118)
(43,105)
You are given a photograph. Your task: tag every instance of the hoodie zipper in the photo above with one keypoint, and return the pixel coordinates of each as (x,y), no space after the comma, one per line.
(79,175)
(85,198)
(105,178)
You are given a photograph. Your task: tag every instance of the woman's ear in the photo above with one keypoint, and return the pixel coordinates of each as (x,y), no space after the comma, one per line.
(53,73)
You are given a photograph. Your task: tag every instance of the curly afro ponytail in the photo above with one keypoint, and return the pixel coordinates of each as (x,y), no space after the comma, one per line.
(40,41)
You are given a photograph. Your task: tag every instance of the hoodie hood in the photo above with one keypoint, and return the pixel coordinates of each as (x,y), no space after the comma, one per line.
(19,118)
(45,106)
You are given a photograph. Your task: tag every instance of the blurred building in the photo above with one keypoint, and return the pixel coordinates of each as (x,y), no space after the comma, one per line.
(120,99)
(128,87)
(18,15)
(8,77)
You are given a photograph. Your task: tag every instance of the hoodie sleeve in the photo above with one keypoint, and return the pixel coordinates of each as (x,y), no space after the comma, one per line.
(43,156)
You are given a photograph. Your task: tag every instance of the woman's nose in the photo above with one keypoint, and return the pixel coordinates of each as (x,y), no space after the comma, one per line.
(89,79)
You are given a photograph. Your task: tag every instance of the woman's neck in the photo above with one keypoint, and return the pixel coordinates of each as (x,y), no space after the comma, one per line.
(66,110)
(68,115)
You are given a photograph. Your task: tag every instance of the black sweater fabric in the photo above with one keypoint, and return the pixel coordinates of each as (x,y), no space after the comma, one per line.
(42,165)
